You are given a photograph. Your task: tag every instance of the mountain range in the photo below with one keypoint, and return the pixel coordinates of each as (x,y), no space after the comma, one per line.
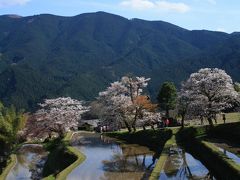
(45,56)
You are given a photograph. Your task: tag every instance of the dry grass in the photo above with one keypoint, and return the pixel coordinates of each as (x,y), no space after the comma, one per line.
(230,118)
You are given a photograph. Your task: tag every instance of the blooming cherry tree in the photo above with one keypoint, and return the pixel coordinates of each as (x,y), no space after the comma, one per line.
(56,115)
(123,100)
(149,119)
(210,91)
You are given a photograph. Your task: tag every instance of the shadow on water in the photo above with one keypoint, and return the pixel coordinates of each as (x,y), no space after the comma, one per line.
(30,161)
(107,159)
(182,165)
(232,151)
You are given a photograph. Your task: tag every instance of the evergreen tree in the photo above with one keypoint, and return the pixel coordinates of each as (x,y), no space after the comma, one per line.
(167,97)
(11,122)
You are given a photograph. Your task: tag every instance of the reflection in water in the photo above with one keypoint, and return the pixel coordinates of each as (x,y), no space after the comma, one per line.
(182,165)
(107,159)
(30,161)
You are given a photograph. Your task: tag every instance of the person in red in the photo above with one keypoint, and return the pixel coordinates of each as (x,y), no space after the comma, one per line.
(167,122)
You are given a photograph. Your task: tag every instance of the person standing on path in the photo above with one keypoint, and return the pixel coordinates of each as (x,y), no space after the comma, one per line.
(224,118)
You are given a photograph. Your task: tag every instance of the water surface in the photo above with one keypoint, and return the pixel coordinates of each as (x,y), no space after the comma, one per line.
(231,150)
(30,160)
(181,165)
(107,159)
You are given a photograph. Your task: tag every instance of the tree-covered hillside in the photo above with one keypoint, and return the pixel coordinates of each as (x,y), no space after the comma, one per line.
(46,56)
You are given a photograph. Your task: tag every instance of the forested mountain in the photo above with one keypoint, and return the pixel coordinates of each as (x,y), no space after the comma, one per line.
(48,56)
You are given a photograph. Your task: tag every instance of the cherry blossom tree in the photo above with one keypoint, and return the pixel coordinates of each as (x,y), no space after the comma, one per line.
(56,115)
(149,119)
(123,102)
(208,92)
(183,104)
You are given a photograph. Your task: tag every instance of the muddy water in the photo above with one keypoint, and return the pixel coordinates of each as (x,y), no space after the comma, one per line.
(182,165)
(107,159)
(30,161)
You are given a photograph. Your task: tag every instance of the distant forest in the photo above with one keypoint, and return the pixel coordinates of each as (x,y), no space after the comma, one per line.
(47,56)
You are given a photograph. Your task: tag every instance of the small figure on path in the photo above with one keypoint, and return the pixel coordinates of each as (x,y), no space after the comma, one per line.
(201,118)
(167,122)
(215,118)
(224,118)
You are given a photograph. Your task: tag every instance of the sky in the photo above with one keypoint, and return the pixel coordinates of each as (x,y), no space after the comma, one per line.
(216,15)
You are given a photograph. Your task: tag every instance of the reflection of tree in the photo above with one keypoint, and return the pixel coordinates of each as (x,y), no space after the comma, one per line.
(134,149)
(120,163)
(92,140)
(172,164)
(154,157)
(129,163)
(29,154)
(176,165)
(185,170)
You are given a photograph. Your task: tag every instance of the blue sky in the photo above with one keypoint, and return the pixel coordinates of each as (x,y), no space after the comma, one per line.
(217,15)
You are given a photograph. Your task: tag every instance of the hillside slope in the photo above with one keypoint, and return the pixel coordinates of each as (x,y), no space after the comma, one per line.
(47,56)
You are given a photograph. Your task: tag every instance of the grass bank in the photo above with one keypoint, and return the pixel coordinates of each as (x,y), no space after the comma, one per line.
(217,162)
(229,131)
(10,164)
(62,159)
(163,157)
(153,139)
(80,158)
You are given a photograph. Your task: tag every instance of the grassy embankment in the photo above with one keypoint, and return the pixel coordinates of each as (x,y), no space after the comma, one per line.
(62,159)
(230,118)
(153,139)
(11,161)
(164,155)
(230,132)
(221,166)
(10,164)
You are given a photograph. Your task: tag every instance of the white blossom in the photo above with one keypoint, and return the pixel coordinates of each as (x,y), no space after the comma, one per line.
(57,115)
(209,91)
(118,99)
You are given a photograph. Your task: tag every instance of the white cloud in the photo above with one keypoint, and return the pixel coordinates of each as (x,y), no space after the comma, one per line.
(221,29)
(178,7)
(138,4)
(4,3)
(157,5)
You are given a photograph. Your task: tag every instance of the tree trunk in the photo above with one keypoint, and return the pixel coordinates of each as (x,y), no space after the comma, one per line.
(143,162)
(167,113)
(128,127)
(201,118)
(134,128)
(49,136)
(135,119)
(182,124)
(61,134)
(152,126)
(210,121)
